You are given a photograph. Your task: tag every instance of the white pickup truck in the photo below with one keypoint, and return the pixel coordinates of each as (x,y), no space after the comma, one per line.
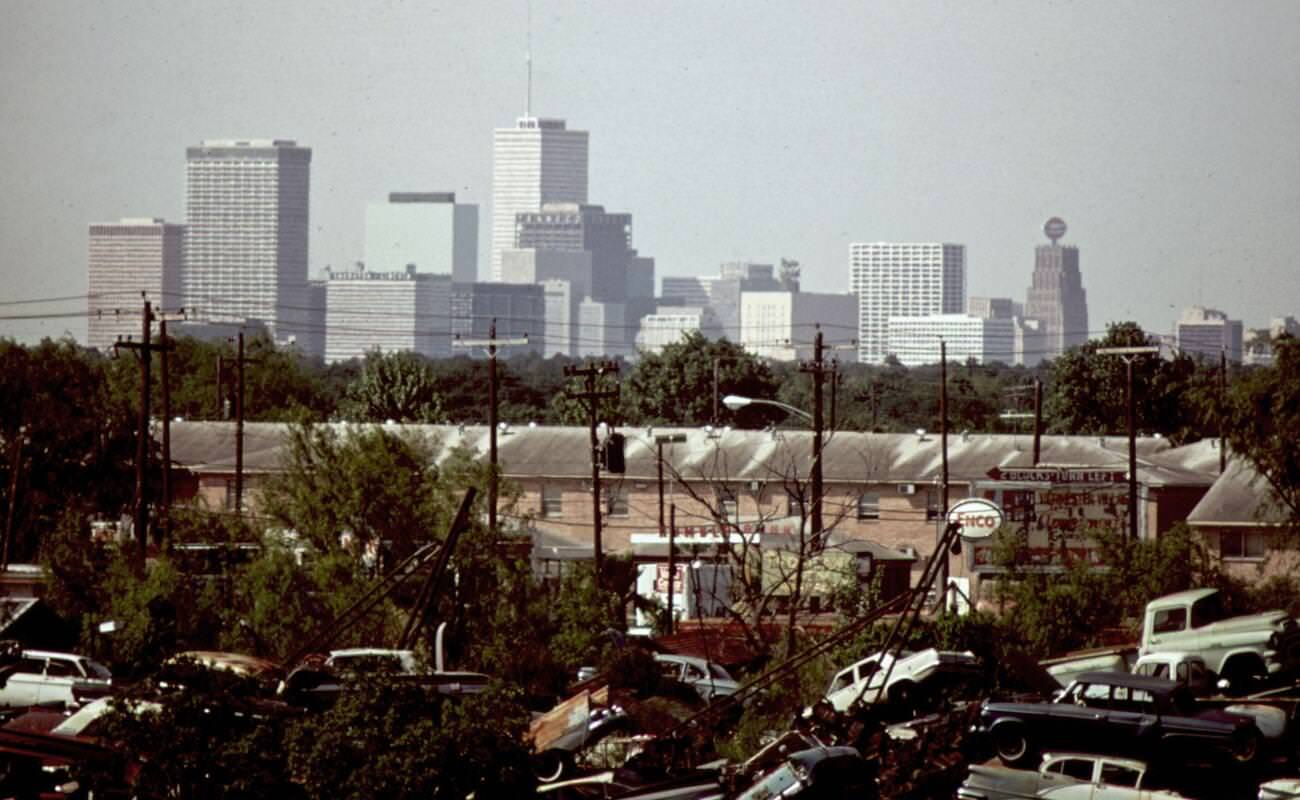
(1085,775)
(1243,649)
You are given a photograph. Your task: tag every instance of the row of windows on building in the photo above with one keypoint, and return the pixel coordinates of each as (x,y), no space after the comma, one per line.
(726,504)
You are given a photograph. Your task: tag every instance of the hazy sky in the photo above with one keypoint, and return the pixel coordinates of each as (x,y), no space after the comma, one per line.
(1167,134)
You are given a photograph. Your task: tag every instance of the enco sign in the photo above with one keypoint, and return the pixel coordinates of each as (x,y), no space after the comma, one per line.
(978,518)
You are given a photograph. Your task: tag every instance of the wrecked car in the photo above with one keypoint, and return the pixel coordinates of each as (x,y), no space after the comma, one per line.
(708,679)
(46,678)
(1280,789)
(1057,769)
(1241,649)
(1113,712)
(909,674)
(842,768)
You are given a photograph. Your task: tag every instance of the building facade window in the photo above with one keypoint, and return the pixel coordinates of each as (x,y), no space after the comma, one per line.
(1241,544)
(794,506)
(616,501)
(868,506)
(552,501)
(230,495)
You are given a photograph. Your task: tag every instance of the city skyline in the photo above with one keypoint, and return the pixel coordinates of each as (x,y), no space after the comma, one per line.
(753,147)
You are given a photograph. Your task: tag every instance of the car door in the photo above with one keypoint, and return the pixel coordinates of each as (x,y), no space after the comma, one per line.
(23,687)
(60,673)
(1079,719)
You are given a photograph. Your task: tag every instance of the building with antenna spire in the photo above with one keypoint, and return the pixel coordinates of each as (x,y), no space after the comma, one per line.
(538,161)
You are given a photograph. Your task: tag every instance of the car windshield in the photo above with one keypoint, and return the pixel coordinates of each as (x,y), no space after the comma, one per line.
(94,669)
(718,672)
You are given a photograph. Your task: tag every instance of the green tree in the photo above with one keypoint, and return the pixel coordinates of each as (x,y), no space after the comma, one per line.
(1262,421)
(394,740)
(675,386)
(393,386)
(375,485)
(1086,394)
(66,442)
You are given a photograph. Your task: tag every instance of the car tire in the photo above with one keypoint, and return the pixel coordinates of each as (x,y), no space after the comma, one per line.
(903,695)
(551,766)
(1011,745)
(1246,747)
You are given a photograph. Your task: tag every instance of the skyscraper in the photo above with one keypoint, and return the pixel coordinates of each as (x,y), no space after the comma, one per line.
(126,258)
(536,162)
(428,229)
(903,279)
(1056,295)
(246,204)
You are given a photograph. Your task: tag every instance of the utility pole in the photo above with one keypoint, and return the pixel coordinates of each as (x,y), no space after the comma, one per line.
(166,345)
(672,563)
(145,349)
(943,449)
(1223,401)
(1038,418)
(240,361)
(817,368)
(491,343)
(590,375)
(835,384)
(14,468)
(1128,354)
(660,441)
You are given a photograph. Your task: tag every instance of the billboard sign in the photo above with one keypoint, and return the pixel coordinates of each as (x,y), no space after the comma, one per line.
(977,517)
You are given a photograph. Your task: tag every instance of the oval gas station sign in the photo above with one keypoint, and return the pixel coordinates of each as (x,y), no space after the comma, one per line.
(977,517)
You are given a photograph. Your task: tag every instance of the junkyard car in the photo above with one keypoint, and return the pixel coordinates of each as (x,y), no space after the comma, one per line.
(1280,789)
(42,677)
(710,680)
(1114,712)
(840,767)
(1057,769)
(864,680)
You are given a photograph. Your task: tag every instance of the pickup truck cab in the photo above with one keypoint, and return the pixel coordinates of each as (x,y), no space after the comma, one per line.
(1057,769)
(1242,649)
(46,678)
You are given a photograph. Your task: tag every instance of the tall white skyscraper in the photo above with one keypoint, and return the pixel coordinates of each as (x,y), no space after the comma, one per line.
(903,279)
(246,205)
(538,161)
(127,258)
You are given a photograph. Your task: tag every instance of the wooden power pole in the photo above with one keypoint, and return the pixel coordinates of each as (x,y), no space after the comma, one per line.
(590,394)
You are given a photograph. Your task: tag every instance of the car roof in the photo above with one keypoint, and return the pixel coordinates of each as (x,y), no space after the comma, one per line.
(369,651)
(1124,762)
(1188,596)
(695,660)
(51,654)
(1128,679)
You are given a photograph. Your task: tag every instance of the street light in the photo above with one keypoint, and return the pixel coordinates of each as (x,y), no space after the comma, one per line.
(736,402)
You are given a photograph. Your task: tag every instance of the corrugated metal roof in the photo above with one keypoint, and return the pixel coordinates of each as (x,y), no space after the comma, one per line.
(733,455)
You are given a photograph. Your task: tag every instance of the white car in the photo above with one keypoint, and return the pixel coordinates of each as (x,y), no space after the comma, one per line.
(375,659)
(864,681)
(46,678)
(1280,789)
(708,679)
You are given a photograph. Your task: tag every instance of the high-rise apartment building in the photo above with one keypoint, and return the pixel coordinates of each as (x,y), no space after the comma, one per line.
(246,206)
(427,229)
(671,324)
(127,258)
(388,312)
(536,162)
(903,279)
(1056,296)
(1205,332)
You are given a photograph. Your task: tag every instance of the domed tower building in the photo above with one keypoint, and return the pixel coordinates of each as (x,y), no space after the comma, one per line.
(1056,296)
